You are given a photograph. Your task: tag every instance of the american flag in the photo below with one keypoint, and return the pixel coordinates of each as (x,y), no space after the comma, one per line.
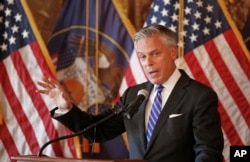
(214,54)
(26,123)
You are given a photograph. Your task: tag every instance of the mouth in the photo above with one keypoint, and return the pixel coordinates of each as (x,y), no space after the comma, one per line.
(153,73)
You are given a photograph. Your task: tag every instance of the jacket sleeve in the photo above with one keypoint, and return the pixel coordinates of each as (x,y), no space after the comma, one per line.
(77,120)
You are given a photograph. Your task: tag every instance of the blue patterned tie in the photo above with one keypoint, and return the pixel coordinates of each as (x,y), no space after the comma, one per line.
(155,112)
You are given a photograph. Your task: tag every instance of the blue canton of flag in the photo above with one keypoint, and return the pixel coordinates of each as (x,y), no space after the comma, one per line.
(202,21)
(14,31)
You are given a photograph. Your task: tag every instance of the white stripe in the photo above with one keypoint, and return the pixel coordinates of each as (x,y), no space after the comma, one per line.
(123,86)
(223,94)
(13,126)
(136,69)
(233,65)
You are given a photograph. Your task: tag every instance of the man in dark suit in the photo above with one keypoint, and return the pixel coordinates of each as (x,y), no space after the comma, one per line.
(188,128)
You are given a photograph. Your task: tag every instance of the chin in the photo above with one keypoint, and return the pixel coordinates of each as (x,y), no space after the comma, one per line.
(153,81)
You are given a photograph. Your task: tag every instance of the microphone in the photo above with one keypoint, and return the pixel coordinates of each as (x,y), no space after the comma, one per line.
(132,108)
(115,112)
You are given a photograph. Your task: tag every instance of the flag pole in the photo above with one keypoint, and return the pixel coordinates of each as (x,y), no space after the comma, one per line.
(96,146)
(180,32)
(84,142)
(97,52)
(87,54)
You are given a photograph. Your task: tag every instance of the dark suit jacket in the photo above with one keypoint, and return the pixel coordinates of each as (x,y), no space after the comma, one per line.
(193,136)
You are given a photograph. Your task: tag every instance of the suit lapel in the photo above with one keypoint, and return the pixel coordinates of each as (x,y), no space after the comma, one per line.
(175,97)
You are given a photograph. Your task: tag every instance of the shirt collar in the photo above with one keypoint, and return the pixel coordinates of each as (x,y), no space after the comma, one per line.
(172,80)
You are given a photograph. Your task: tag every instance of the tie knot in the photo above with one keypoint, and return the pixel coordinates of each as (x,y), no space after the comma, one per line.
(159,88)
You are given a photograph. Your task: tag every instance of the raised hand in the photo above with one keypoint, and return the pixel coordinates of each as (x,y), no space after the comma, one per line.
(56,92)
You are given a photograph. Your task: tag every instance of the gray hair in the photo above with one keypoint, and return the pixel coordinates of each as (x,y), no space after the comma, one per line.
(167,36)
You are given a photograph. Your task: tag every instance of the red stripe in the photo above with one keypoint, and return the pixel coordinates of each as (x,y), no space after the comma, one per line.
(129,77)
(238,52)
(17,109)
(8,141)
(35,97)
(199,75)
(229,81)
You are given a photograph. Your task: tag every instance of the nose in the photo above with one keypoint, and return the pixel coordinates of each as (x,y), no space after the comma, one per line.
(148,61)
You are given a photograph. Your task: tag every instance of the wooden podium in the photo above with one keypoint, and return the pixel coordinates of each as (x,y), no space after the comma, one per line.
(33,158)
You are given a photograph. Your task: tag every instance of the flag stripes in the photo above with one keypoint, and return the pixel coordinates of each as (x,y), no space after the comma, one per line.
(242,59)
(26,106)
(7,143)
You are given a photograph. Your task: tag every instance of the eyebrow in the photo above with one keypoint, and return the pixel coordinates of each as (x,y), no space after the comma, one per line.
(138,52)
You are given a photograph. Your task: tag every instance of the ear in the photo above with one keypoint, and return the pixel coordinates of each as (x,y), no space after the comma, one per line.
(174,52)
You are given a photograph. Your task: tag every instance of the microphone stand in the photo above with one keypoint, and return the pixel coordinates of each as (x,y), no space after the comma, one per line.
(118,111)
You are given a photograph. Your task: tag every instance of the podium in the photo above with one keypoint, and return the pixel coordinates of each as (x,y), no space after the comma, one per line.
(33,158)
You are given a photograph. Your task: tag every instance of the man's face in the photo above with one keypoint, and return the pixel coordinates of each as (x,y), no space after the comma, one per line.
(156,58)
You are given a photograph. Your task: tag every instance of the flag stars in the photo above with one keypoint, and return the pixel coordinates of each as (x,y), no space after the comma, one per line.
(209,8)
(176,6)
(25,34)
(183,33)
(206,31)
(153,19)
(156,8)
(217,24)
(10,2)
(164,12)
(12,40)
(187,10)
(3,47)
(7,12)
(180,44)
(162,23)
(207,20)
(5,35)
(197,15)
(166,2)
(193,38)
(7,24)
(15,29)
(186,21)
(199,3)
(18,17)
(195,26)
(174,17)
(173,28)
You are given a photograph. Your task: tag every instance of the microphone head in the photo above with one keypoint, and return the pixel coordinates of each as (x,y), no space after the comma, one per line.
(143,92)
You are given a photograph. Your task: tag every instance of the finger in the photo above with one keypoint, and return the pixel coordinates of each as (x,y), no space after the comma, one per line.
(46,83)
(42,91)
(53,81)
(42,84)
